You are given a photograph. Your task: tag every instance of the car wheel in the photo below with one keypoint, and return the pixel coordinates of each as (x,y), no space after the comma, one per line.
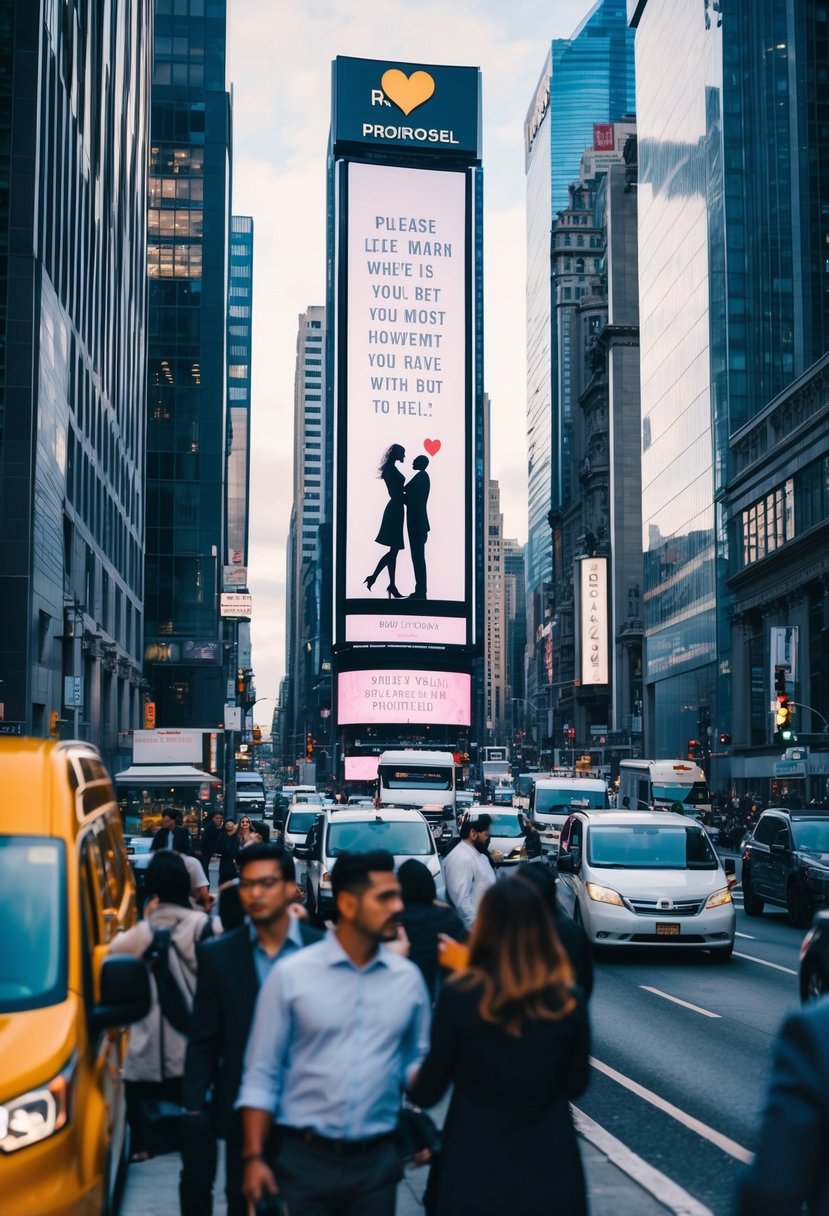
(753,906)
(797,908)
(814,981)
(722,954)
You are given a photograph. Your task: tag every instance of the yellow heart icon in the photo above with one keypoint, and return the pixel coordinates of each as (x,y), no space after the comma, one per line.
(408,92)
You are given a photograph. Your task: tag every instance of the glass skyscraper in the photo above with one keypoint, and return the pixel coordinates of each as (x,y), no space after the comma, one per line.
(187,265)
(734,304)
(239,346)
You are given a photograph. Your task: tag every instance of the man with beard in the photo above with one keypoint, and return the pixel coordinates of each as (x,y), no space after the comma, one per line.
(338,1030)
(467,869)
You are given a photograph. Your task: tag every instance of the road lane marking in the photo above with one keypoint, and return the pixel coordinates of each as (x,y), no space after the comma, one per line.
(663,1189)
(764,962)
(748,936)
(706,1013)
(731,1147)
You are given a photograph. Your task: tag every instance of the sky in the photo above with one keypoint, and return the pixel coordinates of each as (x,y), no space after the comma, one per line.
(280,72)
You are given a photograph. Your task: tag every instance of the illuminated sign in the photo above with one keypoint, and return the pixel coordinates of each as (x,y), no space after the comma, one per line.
(593,621)
(167,746)
(404,484)
(382,697)
(406,105)
(361,768)
(236,604)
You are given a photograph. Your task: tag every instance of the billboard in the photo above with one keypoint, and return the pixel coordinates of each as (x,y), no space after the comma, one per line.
(361,768)
(404,408)
(167,746)
(593,621)
(376,697)
(234,604)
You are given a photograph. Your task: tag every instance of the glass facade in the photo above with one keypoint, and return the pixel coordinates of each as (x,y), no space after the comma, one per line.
(187,267)
(239,346)
(72,364)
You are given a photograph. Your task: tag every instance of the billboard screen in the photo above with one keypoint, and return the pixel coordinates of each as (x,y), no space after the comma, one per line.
(404,408)
(426,697)
(361,768)
(594,621)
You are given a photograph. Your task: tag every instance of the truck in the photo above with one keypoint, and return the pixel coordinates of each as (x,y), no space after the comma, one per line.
(250,794)
(306,772)
(554,798)
(424,780)
(660,784)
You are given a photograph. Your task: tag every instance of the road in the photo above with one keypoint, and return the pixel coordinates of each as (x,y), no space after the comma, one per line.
(681,1052)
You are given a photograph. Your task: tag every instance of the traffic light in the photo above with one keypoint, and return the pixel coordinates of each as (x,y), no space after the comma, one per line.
(725,739)
(309,746)
(257,734)
(694,749)
(783,718)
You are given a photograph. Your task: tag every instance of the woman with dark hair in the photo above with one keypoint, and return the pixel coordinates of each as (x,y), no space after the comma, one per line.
(424,919)
(391,525)
(511,1035)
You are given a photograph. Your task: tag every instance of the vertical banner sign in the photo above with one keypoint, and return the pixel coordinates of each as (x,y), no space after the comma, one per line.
(404,435)
(594,621)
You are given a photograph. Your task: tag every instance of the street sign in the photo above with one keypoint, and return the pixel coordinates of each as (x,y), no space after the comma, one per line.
(72,691)
(11,728)
(236,604)
(233,717)
(790,768)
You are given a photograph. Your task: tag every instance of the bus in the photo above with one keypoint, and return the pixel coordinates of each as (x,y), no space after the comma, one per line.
(425,780)
(553,798)
(660,784)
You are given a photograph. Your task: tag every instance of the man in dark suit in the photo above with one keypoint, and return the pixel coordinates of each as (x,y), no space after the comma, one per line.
(791,1166)
(231,970)
(210,833)
(171,835)
(416,495)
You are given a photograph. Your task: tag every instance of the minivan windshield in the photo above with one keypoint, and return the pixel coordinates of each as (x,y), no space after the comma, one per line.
(301,822)
(505,825)
(649,847)
(402,839)
(564,799)
(398,777)
(32,899)
(811,834)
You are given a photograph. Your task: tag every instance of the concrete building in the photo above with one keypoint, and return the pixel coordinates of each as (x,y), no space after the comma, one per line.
(187,265)
(515,602)
(495,636)
(74,122)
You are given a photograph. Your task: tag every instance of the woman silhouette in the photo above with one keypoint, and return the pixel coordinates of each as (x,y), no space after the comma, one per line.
(391,526)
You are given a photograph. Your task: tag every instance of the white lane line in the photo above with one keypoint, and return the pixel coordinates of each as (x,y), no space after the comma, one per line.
(706,1013)
(663,1189)
(731,1147)
(748,936)
(764,962)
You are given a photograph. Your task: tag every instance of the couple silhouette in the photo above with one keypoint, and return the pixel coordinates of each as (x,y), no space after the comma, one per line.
(407,501)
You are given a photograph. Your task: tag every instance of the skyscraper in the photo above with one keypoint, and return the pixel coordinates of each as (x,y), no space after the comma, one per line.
(74,118)
(586,79)
(187,259)
(515,601)
(239,346)
(495,638)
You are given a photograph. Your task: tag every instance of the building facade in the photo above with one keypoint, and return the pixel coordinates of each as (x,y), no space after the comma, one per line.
(239,348)
(187,266)
(495,663)
(74,106)
(515,608)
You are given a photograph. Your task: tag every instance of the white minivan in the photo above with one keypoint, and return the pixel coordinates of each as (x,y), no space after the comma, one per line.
(646,878)
(552,799)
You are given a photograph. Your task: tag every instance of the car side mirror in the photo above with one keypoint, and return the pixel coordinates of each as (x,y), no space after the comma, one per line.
(125,992)
(780,850)
(729,865)
(302,851)
(565,863)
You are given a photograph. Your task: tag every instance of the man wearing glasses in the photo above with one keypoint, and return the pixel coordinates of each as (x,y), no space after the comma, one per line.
(231,970)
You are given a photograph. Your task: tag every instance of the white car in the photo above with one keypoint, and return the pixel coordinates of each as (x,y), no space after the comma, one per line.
(401,831)
(508,836)
(645,878)
(298,823)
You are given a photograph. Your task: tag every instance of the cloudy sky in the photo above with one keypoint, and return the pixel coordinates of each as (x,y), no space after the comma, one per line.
(280,69)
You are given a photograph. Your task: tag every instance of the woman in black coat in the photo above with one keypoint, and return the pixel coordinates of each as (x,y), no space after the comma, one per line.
(425,919)
(511,1035)
(391,525)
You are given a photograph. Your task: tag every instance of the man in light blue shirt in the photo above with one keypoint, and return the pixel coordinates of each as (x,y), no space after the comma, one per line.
(339,1030)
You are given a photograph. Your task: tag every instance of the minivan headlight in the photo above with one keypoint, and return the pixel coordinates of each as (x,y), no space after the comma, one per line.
(603,895)
(37,1115)
(719,898)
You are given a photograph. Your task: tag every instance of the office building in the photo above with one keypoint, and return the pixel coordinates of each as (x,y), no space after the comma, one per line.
(734,183)
(74,115)
(239,345)
(515,609)
(187,267)
(495,648)
(587,79)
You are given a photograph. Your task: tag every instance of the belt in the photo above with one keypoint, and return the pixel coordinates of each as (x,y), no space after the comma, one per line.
(338,1148)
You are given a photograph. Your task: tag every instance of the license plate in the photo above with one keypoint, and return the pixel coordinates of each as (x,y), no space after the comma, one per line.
(667,928)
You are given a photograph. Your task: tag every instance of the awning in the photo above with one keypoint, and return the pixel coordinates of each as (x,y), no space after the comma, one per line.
(164,774)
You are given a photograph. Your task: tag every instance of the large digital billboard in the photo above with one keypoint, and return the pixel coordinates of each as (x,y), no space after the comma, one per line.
(381,697)
(593,621)
(404,407)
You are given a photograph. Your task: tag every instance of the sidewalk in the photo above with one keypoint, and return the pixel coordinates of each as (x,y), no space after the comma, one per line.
(152,1189)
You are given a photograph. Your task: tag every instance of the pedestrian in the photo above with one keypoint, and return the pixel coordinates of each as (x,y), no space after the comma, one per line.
(200,896)
(467,869)
(791,1165)
(510,1034)
(338,1029)
(171,835)
(260,832)
(209,838)
(532,840)
(424,918)
(245,831)
(231,970)
(573,937)
(154,1064)
(228,848)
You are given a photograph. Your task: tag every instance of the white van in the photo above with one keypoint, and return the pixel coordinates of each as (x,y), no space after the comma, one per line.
(424,780)
(660,784)
(552,799)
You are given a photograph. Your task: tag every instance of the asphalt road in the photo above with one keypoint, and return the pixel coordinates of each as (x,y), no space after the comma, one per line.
(682,1051)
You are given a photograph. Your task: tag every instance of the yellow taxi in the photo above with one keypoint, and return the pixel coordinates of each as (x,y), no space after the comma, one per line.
(65,890)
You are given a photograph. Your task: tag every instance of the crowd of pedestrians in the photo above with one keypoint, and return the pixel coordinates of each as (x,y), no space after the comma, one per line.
(309,1054)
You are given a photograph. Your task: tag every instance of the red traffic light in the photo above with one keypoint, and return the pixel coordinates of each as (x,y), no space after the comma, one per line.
(694,749)
(725,739)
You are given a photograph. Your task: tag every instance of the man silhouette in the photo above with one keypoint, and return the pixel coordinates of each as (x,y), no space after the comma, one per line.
(416,494)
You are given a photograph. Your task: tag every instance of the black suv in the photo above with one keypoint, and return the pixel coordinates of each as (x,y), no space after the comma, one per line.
(786,862)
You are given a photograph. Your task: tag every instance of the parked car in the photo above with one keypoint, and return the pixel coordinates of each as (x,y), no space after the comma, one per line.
(645,878)
(65,891)
(402,831)
(814,959)
(784,863)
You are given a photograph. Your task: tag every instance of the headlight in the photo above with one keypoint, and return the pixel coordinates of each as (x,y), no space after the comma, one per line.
(603,895)
(719,898)
(37,1115)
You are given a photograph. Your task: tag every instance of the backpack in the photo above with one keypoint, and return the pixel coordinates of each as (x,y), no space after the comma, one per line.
(170,997)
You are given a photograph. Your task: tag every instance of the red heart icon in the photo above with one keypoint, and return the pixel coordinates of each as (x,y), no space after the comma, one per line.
(432,446)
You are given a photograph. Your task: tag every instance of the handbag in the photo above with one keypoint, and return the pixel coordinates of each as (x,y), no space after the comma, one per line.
(416,1131)
(162,1126)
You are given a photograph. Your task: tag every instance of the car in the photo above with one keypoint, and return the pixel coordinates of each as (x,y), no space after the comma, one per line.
(814,959)
(298,823)
(646,878)
(65,891)
(785,863)
(402,831)
(507,837)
